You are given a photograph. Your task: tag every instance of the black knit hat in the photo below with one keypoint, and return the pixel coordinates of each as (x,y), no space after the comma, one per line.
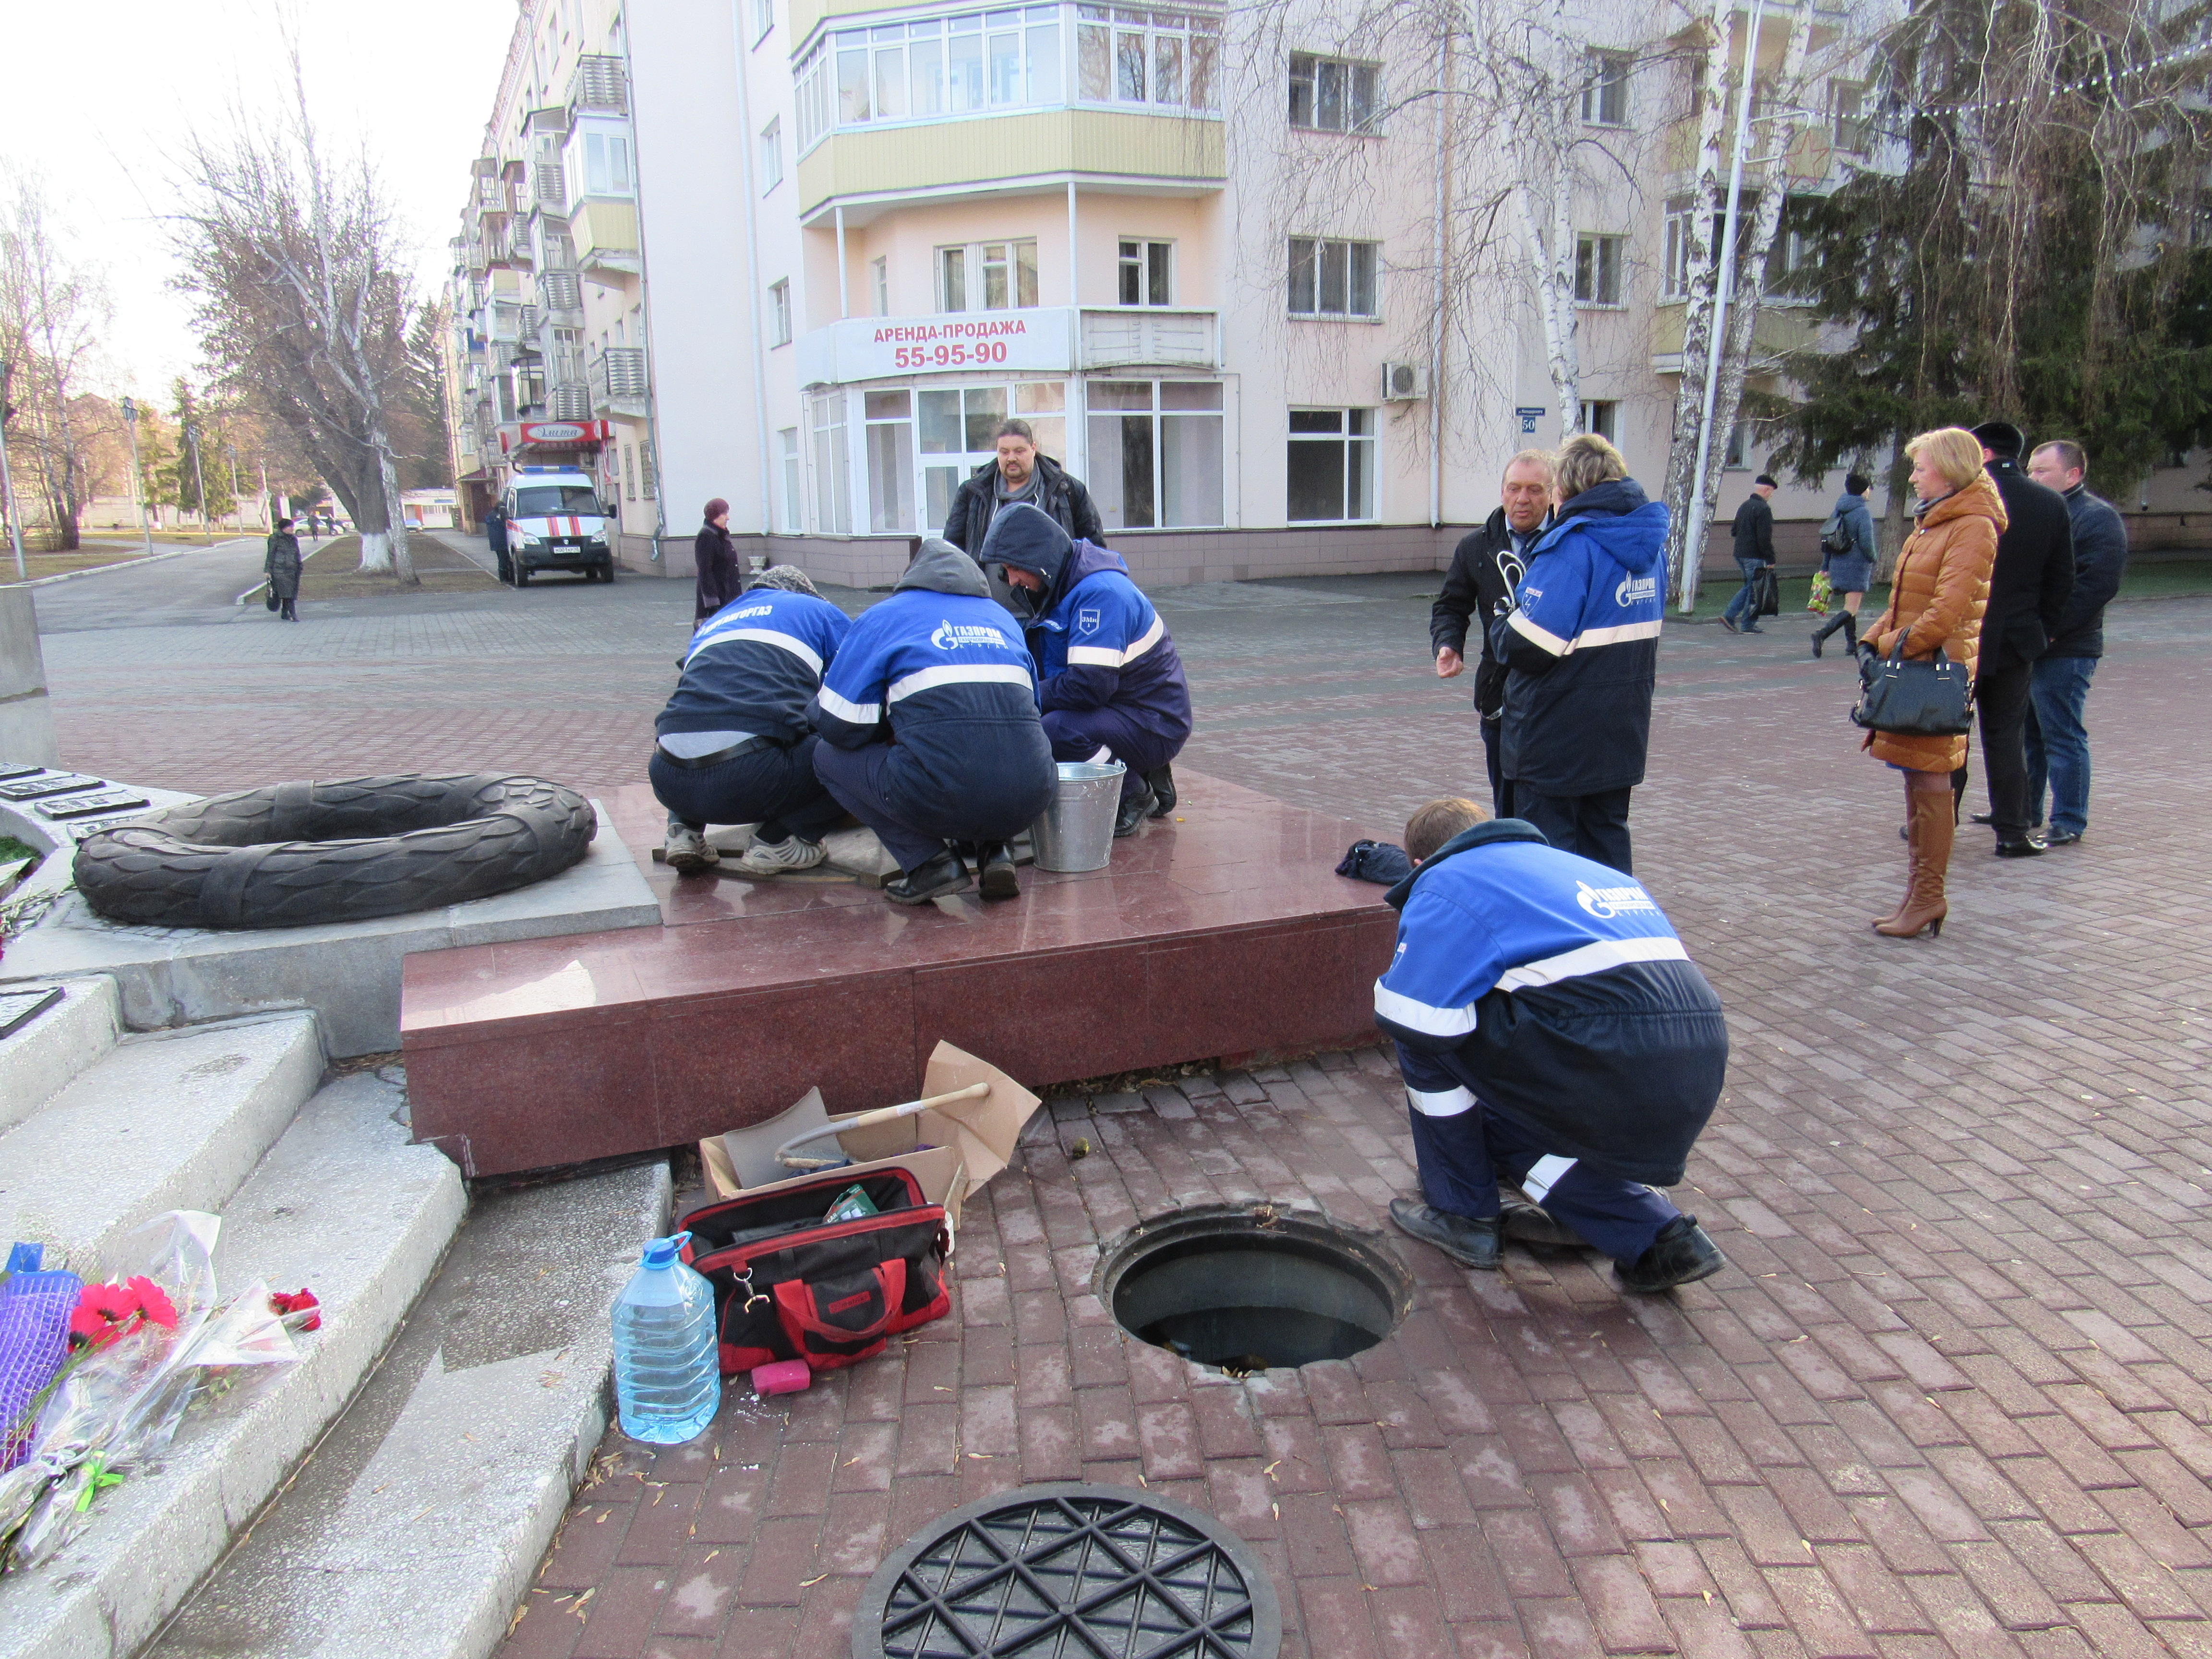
(2001,438)
(1767,479)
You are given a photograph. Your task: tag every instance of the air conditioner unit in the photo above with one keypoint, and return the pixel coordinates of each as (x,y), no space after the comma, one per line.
(1404,382)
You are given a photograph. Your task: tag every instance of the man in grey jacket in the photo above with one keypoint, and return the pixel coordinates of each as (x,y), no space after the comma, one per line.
(2057,742)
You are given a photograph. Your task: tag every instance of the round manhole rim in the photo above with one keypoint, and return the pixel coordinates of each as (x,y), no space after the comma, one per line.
(1371,1250)
(1259,1588)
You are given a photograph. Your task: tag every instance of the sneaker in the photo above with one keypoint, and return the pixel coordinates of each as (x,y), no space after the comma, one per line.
(773,858)
(1530,1223)
(1682,1255)
(1161,782)
(1136,807)
(1728,622)
(686,851)
(994,870)
(941,875)
(1466,1240)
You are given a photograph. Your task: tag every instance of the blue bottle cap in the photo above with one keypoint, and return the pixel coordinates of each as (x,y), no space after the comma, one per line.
(663,1252)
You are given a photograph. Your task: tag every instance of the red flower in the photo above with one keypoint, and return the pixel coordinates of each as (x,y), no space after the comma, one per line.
(106,1313)
(298,1302)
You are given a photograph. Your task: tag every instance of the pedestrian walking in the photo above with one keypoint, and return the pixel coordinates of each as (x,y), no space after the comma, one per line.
(1847,557)
(1753,529)
(1937,599)
(2057,742)
(2028,591)
(495,523)
(1020,473)
(1581,647)
(716,560)
(1487,566)
(282,562)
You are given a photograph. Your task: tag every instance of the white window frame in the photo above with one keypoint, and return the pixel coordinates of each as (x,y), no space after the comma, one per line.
(794,484)
(1605,88)
(1853,128)
(1161,409)
(779,301)
(1192,51)
(1348,417)
(600,160)
(1153,261)
(976,262)
(1674,273)
(880,279)
(1357,94)
(1603,417)
(763,19)
(1321,251)
(1601,282)
(771,153)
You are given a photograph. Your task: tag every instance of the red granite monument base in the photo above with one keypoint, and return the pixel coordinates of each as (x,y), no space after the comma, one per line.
(1221,932)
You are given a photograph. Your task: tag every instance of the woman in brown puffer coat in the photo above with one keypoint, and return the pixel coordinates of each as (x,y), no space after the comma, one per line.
(1936,600)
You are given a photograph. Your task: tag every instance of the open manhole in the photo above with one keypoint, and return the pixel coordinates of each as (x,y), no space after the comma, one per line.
(1070,1572)
(1250,1288)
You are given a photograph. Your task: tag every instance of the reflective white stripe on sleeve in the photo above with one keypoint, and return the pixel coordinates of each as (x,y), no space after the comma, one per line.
(1103,755)
(1449,1104)
(1099,656)
(1545,1173)
(1401,1010)
(799,649)
(959,673)
(1535,635)
(854,713)
(1643,631)
(1591,959)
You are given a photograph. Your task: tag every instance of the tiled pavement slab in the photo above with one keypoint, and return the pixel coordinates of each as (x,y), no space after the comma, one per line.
(1949,1398)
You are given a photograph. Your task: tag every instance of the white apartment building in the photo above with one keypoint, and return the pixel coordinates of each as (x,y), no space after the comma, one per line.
(804,255)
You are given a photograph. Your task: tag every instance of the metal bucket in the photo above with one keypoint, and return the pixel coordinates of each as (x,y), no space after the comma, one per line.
(1077,830)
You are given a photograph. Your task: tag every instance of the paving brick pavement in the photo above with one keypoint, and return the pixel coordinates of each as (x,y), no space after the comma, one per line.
(1953,1396)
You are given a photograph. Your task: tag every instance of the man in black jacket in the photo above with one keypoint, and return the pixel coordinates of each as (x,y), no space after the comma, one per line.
(2057,744)
(1020,474)
(2028,589)
(1752,530)
(1487,566)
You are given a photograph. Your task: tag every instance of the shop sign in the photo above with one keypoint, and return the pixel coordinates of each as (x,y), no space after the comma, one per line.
(879,348)
(552,434)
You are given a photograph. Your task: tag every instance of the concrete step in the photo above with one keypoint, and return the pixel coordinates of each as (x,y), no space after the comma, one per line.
(415,1527)
(166,1121)
(38,1061)
(343,1204)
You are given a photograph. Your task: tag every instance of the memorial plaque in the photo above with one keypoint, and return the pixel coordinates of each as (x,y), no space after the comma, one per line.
(106,801)
(20,1008)
(15,769)
(50,783)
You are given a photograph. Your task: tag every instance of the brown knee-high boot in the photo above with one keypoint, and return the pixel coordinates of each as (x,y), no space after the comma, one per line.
(1912,838)
(1932,829)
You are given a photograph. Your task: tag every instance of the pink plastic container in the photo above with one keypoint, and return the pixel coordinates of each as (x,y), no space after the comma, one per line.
(782,1377)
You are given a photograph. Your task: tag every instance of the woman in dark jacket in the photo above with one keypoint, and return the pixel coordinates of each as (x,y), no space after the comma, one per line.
(1852,571)
(282,565)
(717,561)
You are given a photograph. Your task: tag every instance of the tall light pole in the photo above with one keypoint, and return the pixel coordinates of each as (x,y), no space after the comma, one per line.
(199,478)
(137,478)
(232,451)
(7,478)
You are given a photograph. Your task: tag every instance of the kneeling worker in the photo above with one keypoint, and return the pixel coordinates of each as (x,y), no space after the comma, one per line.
(1112,686)
(929,728)
(1551,1032)
(733,745)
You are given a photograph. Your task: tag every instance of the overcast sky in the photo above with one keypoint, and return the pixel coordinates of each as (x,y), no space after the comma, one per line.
(100,91)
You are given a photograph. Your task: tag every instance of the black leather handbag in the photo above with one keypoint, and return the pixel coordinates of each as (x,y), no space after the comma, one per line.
(1931,699)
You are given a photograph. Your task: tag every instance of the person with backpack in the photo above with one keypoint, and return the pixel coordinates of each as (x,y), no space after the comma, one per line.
(1847,557)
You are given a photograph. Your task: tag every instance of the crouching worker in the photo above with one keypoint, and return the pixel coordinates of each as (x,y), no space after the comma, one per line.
(929,728)
(1554,1036)
(733,745)
(1112,685)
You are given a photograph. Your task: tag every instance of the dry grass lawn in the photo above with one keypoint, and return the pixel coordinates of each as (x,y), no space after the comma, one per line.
(333,572)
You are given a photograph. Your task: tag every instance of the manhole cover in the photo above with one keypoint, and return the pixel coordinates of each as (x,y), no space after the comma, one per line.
(1070,1572)
(1251,1288)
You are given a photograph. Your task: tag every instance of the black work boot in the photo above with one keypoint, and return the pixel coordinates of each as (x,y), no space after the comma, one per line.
(1161,782)
(1682,1254)
(1530,1224)
(941,875)
(994,869)
(1466,1240)
(1136,807)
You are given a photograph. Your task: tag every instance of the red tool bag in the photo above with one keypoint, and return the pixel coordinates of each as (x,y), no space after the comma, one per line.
(789,1285)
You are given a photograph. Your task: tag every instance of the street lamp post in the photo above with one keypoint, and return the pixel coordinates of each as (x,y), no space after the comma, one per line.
(232,451)
(199,478)
(137,479)
(7,478)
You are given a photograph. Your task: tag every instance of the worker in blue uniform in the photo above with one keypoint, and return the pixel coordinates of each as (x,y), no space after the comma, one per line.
(929,727)
(1553,1036)
(733,744)
(1110,681)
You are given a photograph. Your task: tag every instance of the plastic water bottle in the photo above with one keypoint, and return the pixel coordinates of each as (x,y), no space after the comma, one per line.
(668,1383)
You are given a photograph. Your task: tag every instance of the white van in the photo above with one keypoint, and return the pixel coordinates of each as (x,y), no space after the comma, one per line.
(555,521)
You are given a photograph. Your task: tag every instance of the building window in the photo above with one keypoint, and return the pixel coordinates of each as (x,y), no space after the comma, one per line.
(794,501)
(1332,465)
(771,153)
(778,312)
(1331,95)
(832,506)
(606,164)
(1737,456)
(1847,101)
(890,416)
(1675,279)
(879,273)
(1603,418)
(1145,273)
(1605,89)
(1332,279)
(1155,57)
(647,480)
(763,19)
(1597,269)
(1155,453)
(988,276)
(630,472)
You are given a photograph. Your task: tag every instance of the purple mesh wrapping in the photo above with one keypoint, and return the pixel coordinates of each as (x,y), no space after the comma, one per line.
(34,1315)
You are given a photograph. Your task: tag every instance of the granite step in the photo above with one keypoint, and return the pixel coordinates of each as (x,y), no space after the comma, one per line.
(343,1203)
(38,1061)
(164,1121)
(415,1527)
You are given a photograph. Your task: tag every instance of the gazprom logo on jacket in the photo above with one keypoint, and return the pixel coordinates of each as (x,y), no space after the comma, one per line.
(951,636)
(1607,903)
(1636,590)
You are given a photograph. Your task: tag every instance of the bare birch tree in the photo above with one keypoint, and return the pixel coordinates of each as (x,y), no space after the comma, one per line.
(303,304)
(52,311)
(1700,279)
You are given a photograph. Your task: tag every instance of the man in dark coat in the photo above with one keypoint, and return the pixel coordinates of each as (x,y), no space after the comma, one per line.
(716,561)
(1752,530)
(2057,742)
(495,523)
(1020,474)
(1487,566)
(2028,589)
